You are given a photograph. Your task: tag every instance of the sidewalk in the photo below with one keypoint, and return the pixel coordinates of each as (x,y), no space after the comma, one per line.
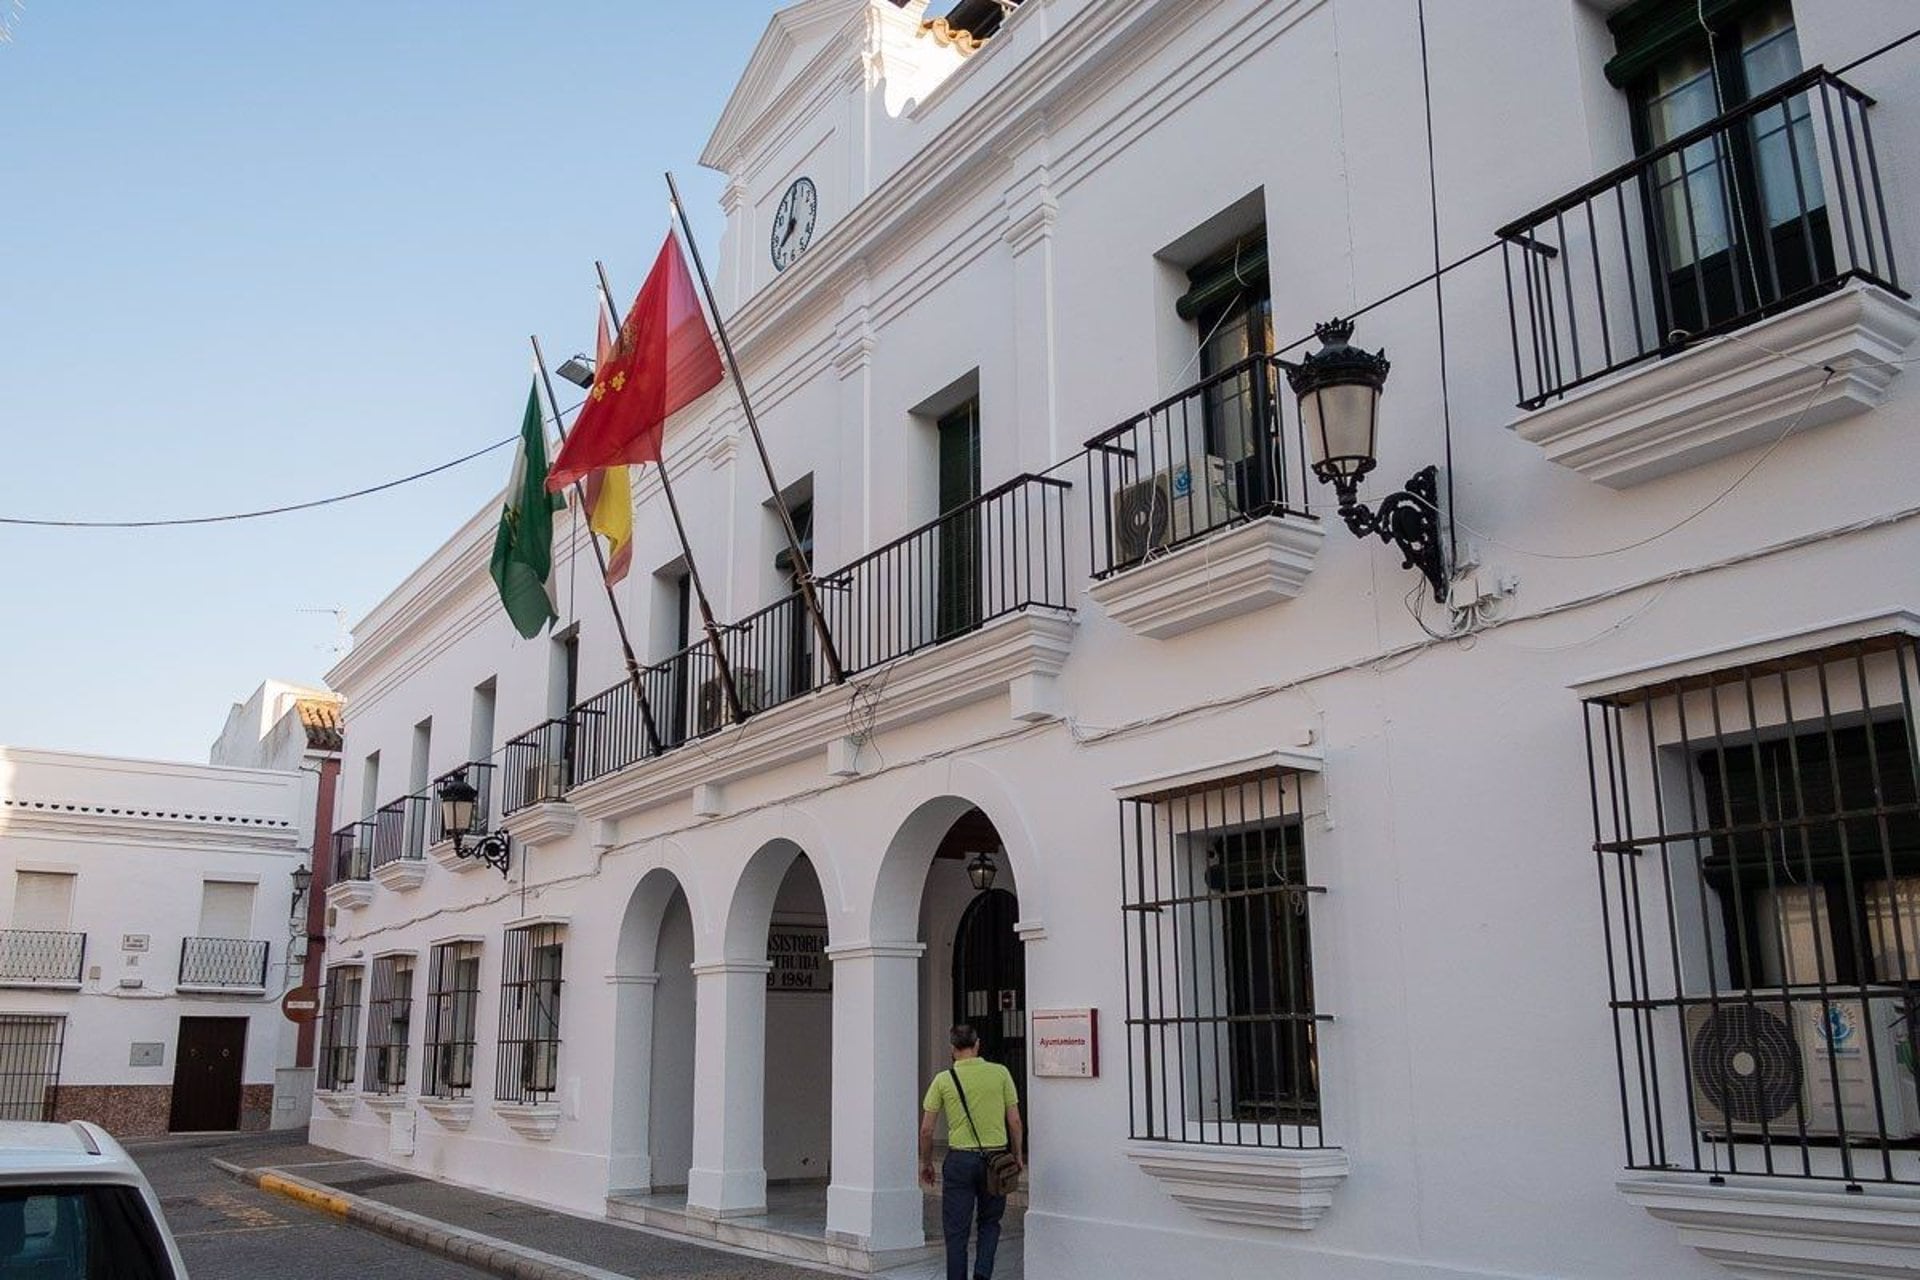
(507,1237)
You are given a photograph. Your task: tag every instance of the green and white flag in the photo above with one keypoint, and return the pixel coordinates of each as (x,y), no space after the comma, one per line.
(523,548)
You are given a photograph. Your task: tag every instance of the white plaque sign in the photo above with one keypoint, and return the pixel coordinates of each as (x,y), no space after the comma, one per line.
(798,953)
(1066,1042)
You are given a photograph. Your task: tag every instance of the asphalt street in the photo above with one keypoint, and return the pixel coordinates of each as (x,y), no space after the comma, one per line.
(231,1231)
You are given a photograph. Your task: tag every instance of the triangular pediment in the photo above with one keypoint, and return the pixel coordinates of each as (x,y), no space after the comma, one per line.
(794,41)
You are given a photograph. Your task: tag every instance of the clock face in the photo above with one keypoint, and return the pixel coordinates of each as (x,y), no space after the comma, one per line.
(793,223)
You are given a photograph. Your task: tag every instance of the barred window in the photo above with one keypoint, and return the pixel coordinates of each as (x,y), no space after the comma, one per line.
(1758,837)
(529,1057)
(340,1027)
(30,1048)
(1221,1025)
(389,1020)
(453,996)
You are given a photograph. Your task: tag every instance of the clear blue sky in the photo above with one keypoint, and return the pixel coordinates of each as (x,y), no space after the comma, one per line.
(253,253)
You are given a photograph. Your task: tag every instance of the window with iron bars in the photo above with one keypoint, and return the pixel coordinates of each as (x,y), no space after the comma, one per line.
(1758,839)
(389,1020)
(453,997)
(1221,1026)
(340,1027)
(30,1049)
(527,1066)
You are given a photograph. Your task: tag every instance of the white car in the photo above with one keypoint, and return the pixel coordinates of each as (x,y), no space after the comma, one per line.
(74,1206)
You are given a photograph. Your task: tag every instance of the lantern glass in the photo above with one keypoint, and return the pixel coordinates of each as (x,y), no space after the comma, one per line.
(457,798)
(1340,422)
(982,871)
(302,877)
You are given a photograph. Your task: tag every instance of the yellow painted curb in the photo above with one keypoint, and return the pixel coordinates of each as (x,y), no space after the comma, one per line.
(325,1201)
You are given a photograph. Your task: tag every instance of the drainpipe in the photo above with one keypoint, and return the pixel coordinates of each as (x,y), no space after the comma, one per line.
(316,904)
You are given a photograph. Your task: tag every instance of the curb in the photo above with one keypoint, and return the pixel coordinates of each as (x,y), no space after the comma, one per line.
(497,1257)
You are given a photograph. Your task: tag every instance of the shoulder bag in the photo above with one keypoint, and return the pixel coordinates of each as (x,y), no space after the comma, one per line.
(1003,1167)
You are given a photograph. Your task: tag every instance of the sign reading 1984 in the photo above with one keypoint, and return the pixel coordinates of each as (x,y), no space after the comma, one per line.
(799,956)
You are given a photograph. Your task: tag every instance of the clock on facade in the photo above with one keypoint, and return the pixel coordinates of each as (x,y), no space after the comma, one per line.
(793,222)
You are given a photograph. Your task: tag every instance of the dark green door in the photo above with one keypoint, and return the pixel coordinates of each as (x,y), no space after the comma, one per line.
(957,590)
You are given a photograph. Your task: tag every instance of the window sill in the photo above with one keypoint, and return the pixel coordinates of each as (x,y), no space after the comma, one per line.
(401,875)
(242,990)
(1285,1189)
(544,823)
(1757,1227)
(535,1121)
(339,1101)
(41,984)
(1224,575)
(1730,393)
(449,1113)
(350,895)
(386,1103)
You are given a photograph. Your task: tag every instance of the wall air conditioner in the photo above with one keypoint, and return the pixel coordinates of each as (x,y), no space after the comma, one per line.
(1773,1065)
(539,1063)
(545,780)
(1168,508)
(713,712)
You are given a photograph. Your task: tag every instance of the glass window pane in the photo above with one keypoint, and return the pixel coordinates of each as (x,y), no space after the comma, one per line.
(1893,928)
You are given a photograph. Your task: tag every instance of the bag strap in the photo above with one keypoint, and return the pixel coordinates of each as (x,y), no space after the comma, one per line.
(960,1089)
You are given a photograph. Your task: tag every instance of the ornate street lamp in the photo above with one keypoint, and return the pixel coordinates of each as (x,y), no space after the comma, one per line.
(302,880)
(981,871)
(1339,388)
(457,799)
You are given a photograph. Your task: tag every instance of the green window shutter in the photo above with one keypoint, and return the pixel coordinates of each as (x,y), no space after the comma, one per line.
(1216,281)
(1649,31)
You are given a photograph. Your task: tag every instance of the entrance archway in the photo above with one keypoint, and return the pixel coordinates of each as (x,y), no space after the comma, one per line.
(990,980)
(654,1010)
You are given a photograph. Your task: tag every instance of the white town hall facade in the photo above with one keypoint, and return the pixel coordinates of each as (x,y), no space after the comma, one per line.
(1563,925)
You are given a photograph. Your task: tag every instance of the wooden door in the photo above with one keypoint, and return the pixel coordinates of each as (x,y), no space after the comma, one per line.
(208,1059)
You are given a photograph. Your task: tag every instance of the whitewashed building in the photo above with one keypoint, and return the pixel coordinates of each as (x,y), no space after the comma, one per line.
(146,940)
(1555,918)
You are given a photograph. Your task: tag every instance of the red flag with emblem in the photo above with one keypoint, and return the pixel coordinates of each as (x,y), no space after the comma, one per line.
(662,361)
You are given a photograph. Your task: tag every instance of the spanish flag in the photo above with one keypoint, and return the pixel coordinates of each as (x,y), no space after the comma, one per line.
(609,491)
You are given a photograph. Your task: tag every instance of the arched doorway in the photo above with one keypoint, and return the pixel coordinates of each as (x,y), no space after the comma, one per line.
(654,1012)
(990,979)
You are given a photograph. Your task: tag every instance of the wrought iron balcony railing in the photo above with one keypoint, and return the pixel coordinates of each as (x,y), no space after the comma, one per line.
(353,852)
(1768,206)
(538,765)
(478,774)
(1203,459)
(35,957)
(1001,553)
(400,830)
(223,962)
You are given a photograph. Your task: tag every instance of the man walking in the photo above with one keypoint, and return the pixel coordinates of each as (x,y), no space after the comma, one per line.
(982,1109)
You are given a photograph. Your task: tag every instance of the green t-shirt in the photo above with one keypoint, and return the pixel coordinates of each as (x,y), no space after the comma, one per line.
(990,1092)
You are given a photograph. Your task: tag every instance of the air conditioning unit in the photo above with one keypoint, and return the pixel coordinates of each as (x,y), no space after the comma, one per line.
(1773,1065)
(713,712)
(545,780)
(1169,507)
(539,1065)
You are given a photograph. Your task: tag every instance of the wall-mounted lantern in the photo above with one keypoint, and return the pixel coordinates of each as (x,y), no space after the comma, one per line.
(1339,388)
(457,801)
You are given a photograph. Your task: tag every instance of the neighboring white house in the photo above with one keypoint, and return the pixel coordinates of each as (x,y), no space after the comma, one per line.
(1563,925)
(145,942)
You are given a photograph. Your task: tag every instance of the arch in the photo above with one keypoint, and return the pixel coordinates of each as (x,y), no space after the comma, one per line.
(639,936)
(649,979)
(937,802)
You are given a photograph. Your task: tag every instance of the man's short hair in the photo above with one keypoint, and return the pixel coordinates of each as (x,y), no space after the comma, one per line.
(964,1037)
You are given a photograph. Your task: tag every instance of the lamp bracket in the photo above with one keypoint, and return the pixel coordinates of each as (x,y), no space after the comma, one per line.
(1409,519)
(495,850)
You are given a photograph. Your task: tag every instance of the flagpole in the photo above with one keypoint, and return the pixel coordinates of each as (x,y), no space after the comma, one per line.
(723,667)
(809,595)
(599,558)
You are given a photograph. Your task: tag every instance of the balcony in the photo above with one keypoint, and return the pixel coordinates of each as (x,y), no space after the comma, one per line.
(352,866)
(1736,263)
(956,581)
(223,964)
(41,958)
(400,842)
(1208,467)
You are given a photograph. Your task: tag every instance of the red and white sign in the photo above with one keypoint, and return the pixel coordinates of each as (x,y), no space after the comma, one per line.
(1066,1043)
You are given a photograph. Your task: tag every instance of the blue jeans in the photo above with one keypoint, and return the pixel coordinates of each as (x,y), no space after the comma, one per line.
(963,1186)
